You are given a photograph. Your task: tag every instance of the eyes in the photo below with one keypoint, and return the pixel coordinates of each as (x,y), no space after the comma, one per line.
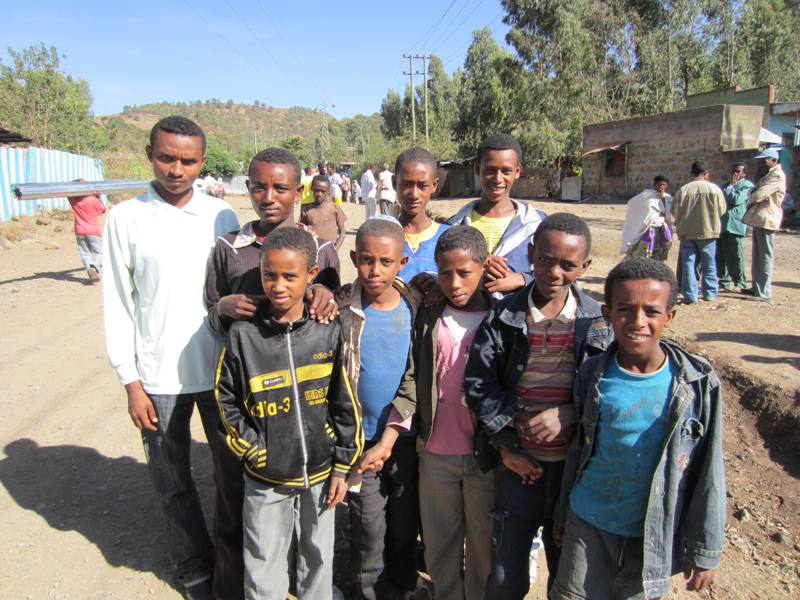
(549,261)
(272,276)
(260,188)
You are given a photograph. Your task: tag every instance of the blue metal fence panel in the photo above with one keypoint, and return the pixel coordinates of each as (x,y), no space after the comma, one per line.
(39,165)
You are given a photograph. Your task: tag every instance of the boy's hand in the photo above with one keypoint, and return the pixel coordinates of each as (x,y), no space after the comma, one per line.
(558,533)
(239,306)
(374,458)
(496,267)
(509,283)
(336,491)
(321,305)
(699,579)
(140,407)
(428,285)
(528,469)
(546,425)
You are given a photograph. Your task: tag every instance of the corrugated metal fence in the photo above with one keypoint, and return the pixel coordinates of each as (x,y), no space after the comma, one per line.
(38,165)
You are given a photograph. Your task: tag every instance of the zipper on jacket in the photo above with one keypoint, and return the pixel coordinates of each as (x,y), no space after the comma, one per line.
(297,411)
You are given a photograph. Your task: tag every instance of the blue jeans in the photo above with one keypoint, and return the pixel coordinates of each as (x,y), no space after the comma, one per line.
(690,251)
(519,511)
(597,564)
(168,459)
(90,249)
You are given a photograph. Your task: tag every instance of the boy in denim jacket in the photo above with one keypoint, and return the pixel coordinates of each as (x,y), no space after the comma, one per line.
(644,486)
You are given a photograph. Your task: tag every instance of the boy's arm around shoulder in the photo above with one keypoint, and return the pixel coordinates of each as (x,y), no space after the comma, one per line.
(216,287)
(345,414)
(484,390)
(230,389)
(704,521)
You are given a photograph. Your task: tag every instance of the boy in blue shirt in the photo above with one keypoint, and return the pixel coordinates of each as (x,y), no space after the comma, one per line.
(646,463)
(376,318)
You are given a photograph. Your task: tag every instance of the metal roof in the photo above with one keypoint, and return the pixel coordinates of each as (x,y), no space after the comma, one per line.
(12,137)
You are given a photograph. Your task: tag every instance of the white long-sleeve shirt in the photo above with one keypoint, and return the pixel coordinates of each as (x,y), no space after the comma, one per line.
(155,258)
(368,185)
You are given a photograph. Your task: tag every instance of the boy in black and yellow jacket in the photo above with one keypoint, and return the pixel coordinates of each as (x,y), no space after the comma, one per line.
(292,417)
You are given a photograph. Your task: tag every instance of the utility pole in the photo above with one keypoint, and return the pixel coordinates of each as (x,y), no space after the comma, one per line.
(425,59)
(410,73)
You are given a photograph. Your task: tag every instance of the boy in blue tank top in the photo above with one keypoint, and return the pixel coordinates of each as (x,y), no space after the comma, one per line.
(376,316)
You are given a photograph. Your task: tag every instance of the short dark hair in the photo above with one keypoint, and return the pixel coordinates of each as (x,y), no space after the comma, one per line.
(291,238)
(322,178)
(308,170)
(660,179)
(500,141)
(277,156)
(698,168)
(568,223)
(379,227)
(463,237)
(415,155)
(737,166)
(641,268)
(180,126)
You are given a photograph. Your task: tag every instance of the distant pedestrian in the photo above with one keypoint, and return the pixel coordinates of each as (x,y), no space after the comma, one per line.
(336,183)
(369,189)
(697,210)
(730,250)
(764,214)
(355,193)
(647,231)
(88,233)
(386,194)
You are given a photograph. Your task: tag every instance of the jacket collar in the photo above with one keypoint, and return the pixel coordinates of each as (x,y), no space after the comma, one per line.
(278,326)
(515,313)
(688,367)
(353,301)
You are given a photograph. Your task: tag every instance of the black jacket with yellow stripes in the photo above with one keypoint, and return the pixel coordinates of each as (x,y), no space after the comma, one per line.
(286,403)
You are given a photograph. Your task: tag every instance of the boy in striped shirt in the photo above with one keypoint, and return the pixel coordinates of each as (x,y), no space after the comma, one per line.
(519,383)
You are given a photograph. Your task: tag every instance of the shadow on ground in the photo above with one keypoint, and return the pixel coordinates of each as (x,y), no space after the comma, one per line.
(787,343)
(66,275)
(109,501)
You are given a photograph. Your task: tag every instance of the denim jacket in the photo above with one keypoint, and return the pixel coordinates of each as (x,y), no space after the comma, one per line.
(685,518)
(499,354)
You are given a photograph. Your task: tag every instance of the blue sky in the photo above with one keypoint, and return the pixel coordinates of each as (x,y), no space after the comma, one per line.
(340,55)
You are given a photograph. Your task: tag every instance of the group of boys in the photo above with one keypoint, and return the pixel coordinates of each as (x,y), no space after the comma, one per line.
(467,385)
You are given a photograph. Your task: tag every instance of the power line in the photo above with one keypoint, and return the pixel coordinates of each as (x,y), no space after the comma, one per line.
(215,30)
(469,43)
(257,39)
(291,53)
(459,26)
(452,21)
(434,26)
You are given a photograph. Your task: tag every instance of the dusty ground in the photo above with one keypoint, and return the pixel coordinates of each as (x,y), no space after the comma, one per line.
(77,515)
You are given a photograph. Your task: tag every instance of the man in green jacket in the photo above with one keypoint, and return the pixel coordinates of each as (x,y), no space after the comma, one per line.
(730,248)
(697,213)
(764,214)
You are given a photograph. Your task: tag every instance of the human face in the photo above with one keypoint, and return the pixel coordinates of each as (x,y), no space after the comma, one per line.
(498,170)
(638,314)
(460,277)
(661,187)
(558,259)
(177,161)
(284,277)
(321,191)
(377,260)
(273,190)
(415,183)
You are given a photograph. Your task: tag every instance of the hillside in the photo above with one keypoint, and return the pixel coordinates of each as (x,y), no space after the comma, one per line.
(242,129)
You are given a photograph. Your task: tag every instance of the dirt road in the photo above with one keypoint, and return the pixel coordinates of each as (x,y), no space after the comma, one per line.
(77,515)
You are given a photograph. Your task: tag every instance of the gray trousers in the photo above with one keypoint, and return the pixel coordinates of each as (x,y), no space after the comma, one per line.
(455,501)
(762,262)
(282,531)
(369,207)
(90,249)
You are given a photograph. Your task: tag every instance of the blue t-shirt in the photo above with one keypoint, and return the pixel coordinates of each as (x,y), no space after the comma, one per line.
(613,491)
(422,259)
(384,352)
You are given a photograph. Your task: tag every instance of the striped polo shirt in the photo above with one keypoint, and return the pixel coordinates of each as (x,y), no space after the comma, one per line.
(547,380)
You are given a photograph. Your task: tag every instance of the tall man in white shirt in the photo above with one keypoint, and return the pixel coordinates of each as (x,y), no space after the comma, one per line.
(156,248)
(368,189)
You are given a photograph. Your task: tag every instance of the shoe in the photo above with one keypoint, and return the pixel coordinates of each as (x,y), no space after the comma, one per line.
(748,291)
(94,274)
(200,590)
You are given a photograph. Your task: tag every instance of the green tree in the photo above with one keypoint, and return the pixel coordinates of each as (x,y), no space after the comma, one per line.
(393,120)
(219,162)
(297,147)
(50,107)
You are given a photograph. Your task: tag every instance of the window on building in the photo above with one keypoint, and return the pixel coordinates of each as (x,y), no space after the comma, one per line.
(614,162)
(788,140)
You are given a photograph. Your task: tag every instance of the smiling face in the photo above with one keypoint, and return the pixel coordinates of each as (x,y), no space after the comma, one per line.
(415,183)
(498,170)
(273,190)
(558,259)
(321,190)
(460,277)
(377,260)
(284,277)
(177,161)
(638,314)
